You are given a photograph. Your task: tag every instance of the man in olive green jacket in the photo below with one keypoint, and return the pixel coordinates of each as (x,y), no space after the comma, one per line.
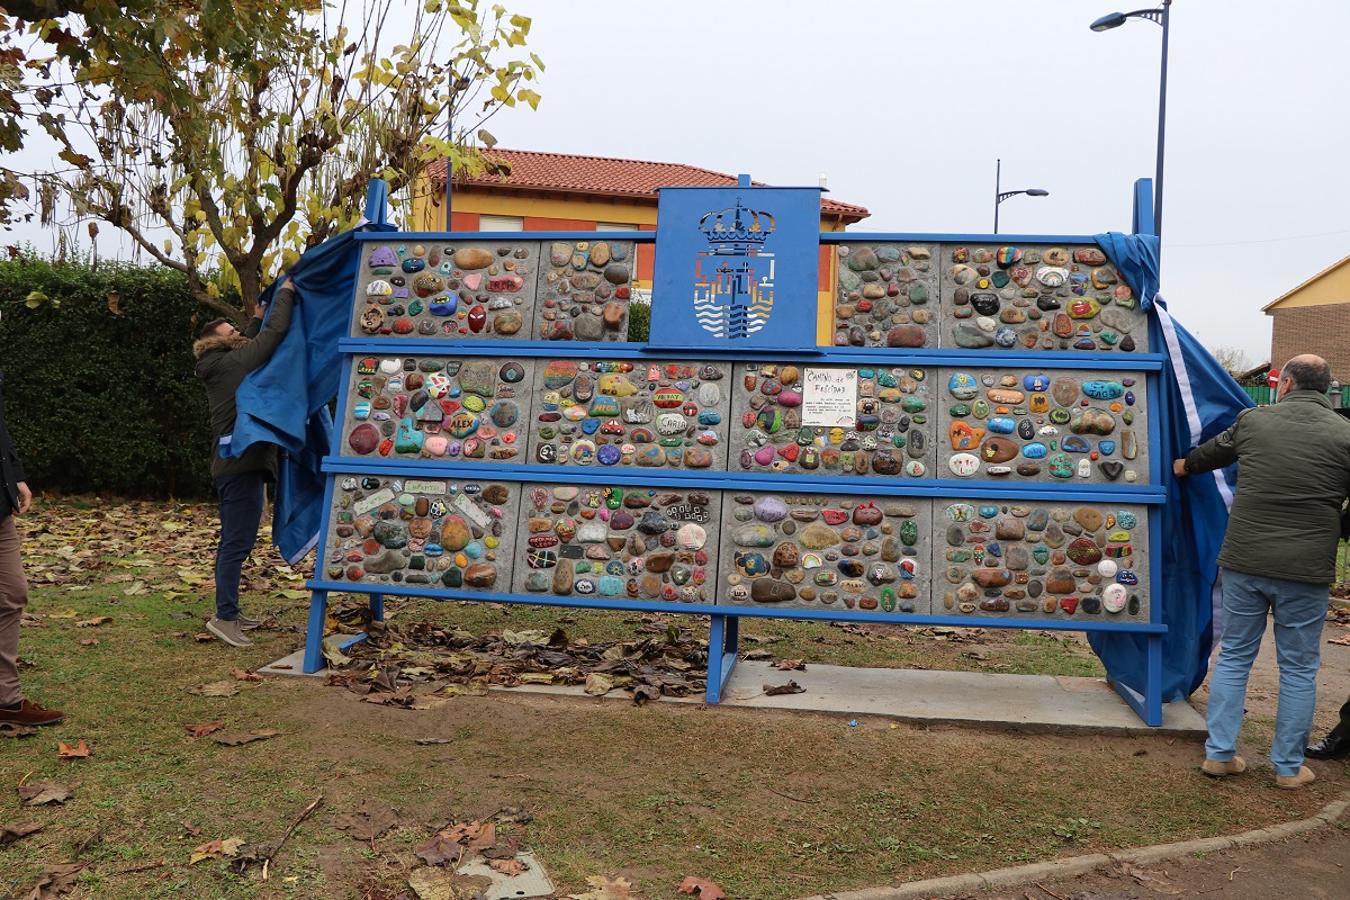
(1278,556)
(224,358)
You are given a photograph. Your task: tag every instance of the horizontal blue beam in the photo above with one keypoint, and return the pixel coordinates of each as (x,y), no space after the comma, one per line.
(647,237)
(704,609)
(794,482)
(848,237)
(642,237)
(853,356)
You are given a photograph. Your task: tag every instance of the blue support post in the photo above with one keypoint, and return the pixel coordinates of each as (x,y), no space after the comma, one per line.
(723,639)
(377,607)
(318,609)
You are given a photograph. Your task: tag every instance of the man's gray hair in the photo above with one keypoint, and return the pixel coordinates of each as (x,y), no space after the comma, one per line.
(1308,376)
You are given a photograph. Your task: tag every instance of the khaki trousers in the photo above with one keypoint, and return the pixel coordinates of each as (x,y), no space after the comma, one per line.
(13,599)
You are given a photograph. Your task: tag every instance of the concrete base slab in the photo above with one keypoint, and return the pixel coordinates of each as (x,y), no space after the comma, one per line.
(1032,702)
(292,664)
(1029,702)
(532,883)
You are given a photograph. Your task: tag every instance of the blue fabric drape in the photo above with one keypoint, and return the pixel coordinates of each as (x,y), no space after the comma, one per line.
(285,402)
(1199,400)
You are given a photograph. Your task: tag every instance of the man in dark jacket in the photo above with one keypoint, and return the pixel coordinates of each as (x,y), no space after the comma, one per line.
(224,357)
(15,498)
(1278,556)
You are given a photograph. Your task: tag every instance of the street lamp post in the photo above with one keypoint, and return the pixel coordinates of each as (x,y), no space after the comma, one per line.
(1001,195)
(1160,16)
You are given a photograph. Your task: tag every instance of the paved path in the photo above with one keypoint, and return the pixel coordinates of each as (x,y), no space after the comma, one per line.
(1298,869)
(1312,866)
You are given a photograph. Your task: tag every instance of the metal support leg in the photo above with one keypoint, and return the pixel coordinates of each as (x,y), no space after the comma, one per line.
(1153,699)
(1148,705)
(377,607)
(318,610)
(723,639)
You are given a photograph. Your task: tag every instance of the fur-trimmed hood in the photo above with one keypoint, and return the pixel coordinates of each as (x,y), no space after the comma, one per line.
(213,342)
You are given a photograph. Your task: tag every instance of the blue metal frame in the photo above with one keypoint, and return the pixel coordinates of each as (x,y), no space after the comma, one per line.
(743,481)
(981,359)
(723,618)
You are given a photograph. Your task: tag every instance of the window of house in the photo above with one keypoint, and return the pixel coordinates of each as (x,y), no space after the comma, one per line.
(501,223)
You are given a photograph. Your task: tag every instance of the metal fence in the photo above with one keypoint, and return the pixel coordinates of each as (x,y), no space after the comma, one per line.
(1262,395)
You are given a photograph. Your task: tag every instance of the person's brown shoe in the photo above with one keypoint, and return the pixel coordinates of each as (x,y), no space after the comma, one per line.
(1220,768)
(229,632)
(1294,782)
(30,713)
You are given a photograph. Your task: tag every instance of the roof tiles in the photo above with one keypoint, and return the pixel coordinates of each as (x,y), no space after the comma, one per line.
(567,173)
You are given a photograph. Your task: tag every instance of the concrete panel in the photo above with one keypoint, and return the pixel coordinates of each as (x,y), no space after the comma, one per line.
(886,295)
(475,409)
(1037,298)
(618,541)
(1062,561)
(810,551)
(653,414)
(1063,426)
(423,532)
(584,291)
(891,435)
(465,290)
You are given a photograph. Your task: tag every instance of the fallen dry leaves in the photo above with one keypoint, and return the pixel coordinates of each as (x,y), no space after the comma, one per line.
(369,822)
(40,793)
(56,881)
(441,884)
(245,675)
(702,888)
(79,751)
(791,665)
(220,848)
(14,730)
(386,666)
(11,833)
(147,547)
(94,622)
(215,689)
(448,845)
(202,729)
(603,888)
(792,687)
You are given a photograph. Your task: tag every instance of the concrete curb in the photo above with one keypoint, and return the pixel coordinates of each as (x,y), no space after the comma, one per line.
(1072,866)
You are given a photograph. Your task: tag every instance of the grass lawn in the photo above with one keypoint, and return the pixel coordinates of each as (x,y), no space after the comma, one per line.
(766,804)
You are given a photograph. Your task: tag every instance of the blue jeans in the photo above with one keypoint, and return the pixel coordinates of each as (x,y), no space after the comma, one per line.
(1300,611)
(242,498)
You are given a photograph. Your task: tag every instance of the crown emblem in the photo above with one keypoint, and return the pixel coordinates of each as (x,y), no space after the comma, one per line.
(736,226)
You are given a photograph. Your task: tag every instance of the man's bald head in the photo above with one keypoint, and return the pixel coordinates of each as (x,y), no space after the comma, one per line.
(1305,372)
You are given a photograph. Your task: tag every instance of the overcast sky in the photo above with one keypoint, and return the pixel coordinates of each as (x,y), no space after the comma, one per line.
(905,106)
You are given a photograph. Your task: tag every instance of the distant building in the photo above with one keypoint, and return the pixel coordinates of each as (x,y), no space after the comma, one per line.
(565,192)
(1314,318)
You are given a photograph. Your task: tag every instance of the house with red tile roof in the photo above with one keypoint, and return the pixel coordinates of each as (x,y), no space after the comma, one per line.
(528,190)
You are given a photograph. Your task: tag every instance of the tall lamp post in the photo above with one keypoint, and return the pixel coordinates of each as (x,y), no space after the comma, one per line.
(1159,16)
(1000,195)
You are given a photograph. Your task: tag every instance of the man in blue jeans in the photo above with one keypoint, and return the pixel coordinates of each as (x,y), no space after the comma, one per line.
(224,357)
(1278,556)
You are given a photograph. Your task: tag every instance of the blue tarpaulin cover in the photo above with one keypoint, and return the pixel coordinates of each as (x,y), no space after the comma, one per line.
(285,402)
(1201,400)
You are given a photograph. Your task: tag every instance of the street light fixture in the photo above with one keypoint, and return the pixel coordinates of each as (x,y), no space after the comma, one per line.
(1159,16)
(1001,195)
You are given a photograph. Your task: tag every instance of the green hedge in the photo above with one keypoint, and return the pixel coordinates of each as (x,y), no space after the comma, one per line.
(99,400)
